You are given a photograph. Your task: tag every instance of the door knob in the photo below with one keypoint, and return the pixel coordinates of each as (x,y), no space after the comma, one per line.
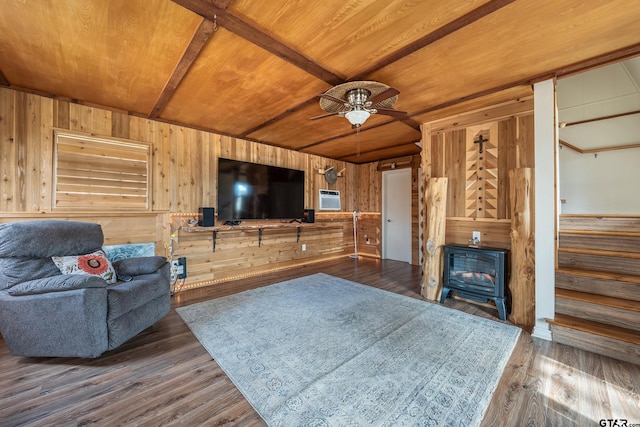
(388,220)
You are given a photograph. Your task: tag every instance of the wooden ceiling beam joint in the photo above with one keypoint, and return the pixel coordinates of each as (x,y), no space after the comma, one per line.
(255,35)
(222,4)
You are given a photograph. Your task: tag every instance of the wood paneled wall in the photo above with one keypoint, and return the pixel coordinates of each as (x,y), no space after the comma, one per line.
(184,170)
(450,157)
(477,159)
(184,159)
(445,154)
(118,229)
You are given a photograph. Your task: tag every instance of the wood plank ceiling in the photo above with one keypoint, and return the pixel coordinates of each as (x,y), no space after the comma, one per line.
(254,69)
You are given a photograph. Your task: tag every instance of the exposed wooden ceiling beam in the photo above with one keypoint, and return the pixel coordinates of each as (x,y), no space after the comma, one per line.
(255,35)
(280,116)
(598,61)
(258,37)
(344,135)
(404,144)
(199,39)
(437,34)
(411,123)
(222,4)
(480,94)
(569,70)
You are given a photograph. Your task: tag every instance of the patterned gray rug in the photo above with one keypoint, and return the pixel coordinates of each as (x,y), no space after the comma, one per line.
(323,351)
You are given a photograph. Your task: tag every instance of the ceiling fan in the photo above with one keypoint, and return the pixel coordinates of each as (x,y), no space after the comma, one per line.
(358,100)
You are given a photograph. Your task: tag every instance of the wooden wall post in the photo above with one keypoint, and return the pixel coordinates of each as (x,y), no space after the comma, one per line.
(522,283)
(436,207)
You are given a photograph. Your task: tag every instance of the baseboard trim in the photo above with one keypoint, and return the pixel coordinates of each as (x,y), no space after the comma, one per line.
(542,332)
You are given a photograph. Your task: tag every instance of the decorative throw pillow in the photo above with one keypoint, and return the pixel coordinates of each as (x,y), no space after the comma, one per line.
(94,264)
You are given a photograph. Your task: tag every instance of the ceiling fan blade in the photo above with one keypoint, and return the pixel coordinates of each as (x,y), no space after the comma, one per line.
(393,113)
(323,116)
(333,98)
(385,94)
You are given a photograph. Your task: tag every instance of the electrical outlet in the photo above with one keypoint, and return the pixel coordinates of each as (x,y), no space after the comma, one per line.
(475,236)
(174,269)
(304,247)
(179,268)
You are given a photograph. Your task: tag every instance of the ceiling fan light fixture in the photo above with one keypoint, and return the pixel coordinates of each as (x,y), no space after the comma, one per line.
(357,100)
(357,117)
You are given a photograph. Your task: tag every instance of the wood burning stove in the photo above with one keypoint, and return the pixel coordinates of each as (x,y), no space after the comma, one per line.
(479,274)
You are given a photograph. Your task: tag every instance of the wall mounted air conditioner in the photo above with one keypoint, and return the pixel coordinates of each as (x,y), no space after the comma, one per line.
(329,200)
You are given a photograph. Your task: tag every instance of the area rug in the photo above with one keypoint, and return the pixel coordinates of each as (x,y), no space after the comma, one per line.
(323,351)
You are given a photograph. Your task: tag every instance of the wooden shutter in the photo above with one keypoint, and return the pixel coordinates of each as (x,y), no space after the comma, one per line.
(100,174)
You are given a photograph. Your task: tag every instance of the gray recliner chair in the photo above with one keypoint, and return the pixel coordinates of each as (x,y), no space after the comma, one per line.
(46,313)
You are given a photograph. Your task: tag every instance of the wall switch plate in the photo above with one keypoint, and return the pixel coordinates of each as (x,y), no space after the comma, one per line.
(475,236)
(304,247)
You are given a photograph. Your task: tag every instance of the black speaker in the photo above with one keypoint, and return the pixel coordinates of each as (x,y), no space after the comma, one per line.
(309,215)
(206,217)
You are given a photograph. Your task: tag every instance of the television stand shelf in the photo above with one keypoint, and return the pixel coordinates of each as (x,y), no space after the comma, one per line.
(246,226)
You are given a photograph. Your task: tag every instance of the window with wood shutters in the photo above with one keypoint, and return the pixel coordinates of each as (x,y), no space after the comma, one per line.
(100,173)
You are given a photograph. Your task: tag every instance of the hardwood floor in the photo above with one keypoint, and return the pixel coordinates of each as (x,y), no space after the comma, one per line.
(165,377)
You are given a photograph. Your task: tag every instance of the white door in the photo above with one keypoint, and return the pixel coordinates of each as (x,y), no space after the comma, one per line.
(396,215)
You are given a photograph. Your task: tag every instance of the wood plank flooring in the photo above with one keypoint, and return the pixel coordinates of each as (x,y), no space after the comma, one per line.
(165,377)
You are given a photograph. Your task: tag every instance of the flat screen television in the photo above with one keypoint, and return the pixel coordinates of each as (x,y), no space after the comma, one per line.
(254,191)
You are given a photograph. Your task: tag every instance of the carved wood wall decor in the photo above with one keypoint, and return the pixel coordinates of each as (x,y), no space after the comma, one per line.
(482,172)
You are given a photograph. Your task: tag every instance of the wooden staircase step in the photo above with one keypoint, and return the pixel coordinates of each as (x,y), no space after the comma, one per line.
(608,233)
(614,285)
(596,328)
(605,301)
(618,312)
(598,284)
(621,223)
(618,343)
(603,241)
(626,263)
(598,252)
(605,275)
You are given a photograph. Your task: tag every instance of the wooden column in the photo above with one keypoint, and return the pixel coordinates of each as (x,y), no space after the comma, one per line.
(522,284)
(425,165)
(436,204)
